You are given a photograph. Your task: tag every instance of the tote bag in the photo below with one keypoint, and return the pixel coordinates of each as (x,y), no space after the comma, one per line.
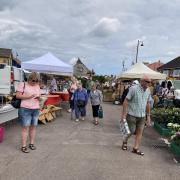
(100,112)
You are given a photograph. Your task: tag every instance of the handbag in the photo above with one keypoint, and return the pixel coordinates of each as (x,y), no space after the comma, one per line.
(16,103)
(80,103)
(100,112)
(124,128)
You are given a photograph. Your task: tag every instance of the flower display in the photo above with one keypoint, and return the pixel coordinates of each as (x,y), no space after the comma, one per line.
(166,115)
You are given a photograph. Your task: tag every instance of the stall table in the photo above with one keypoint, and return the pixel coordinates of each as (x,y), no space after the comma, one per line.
(64,96)
(53,100)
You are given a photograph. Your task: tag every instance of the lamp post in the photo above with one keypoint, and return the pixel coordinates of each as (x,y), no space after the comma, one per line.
(137,48)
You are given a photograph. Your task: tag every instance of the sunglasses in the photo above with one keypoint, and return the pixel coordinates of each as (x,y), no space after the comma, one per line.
(147,81)
(34,80)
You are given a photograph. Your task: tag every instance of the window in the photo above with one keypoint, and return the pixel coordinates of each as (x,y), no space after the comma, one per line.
(176,72)
(166,72)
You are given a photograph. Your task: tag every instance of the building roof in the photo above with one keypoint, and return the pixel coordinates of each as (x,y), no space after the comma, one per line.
(174,64)
(80,62)
(154,66)
(5,52)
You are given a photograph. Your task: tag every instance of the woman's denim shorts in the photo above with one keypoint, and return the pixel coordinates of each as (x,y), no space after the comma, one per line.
(28,117)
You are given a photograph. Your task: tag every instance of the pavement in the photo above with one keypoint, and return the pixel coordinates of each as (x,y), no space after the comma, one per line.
(68,150)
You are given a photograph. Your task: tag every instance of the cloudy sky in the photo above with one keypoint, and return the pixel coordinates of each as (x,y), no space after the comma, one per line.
(103,33)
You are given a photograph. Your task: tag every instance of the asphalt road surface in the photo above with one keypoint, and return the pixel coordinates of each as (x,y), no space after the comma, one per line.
(68,150)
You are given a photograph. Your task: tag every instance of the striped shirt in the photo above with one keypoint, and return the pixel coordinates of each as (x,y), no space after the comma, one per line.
(137,101)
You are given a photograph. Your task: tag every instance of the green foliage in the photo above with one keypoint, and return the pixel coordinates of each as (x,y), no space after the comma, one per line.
(101,79)
(83,81)
(166,115)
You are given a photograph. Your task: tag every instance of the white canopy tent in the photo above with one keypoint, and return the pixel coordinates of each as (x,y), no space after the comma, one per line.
(49,64)
(137,71)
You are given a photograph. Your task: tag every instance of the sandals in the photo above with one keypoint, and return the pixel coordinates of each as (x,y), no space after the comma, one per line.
(32,147)
(124,146)
(138,152)
(25,149)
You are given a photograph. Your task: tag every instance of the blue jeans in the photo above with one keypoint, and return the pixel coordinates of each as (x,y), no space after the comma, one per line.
(28,117)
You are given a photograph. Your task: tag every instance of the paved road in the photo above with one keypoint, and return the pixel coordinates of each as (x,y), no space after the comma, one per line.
(68,150)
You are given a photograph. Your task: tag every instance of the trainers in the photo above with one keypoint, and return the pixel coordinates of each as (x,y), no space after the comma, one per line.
(82,118)
(77,120)
(69,110)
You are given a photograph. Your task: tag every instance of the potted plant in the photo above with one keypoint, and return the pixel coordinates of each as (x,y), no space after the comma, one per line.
(163,116)
(175,138)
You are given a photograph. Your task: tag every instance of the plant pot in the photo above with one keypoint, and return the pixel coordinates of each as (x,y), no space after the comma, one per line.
(161,129)
(175,149)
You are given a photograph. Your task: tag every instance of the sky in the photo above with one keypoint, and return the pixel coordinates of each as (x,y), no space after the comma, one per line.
(102,33)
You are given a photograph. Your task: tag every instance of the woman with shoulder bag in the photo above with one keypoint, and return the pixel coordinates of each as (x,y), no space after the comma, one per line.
(96,100)
(29,109)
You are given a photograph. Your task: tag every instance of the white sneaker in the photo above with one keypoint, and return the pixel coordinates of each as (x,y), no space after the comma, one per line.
(69,110)
(77,120)
(82,118)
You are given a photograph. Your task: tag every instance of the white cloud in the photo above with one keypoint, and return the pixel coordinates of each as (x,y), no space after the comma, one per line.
(10,28)
(171,53)
(103,32)
(133,43)
(106,27)
(73,61)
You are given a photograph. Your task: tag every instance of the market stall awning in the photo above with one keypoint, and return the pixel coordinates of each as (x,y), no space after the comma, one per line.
(49,64)
(138,70)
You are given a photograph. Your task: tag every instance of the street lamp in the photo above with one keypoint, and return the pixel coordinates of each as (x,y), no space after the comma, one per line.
(141,44)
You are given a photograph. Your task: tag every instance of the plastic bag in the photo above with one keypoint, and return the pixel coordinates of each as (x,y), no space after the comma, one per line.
(124,128)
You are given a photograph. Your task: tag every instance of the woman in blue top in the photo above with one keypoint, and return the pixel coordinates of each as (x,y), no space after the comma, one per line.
(80,102)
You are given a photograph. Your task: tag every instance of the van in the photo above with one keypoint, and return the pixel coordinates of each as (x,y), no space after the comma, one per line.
(9,79)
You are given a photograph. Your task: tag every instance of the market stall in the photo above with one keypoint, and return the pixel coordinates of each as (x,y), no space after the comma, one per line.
(138,70)
(49,64)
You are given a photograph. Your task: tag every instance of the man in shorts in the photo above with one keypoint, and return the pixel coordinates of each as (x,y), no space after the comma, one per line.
(136,107)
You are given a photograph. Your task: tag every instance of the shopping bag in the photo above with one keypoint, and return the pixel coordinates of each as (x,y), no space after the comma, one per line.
(124,128)
(100,112)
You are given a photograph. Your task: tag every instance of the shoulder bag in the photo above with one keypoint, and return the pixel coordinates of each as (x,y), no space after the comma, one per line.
(16,103)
